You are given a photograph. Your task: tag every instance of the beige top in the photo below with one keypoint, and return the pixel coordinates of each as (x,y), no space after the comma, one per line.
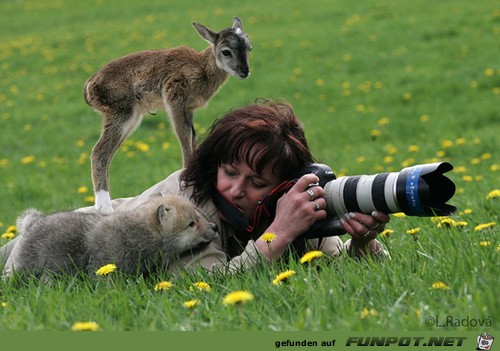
(214,255)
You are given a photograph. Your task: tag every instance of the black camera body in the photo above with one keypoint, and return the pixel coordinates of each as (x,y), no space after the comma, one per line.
(420,190)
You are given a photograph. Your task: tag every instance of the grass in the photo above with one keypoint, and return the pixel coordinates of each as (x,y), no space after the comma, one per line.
(378,85)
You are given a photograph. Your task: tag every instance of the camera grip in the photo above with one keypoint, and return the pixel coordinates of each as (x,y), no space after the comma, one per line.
(330,226)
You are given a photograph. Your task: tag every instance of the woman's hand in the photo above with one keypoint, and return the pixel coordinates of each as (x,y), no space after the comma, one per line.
(363,229)
(301,206)
(296,212)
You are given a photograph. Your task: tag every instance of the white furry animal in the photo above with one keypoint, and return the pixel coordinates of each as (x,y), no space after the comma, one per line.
(137,241)
(178,79)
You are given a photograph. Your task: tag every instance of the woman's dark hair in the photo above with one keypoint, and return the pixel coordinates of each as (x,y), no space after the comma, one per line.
(259,134)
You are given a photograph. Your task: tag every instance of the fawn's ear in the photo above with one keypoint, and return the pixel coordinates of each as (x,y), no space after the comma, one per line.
(237,25)
(206,33)
(162,213)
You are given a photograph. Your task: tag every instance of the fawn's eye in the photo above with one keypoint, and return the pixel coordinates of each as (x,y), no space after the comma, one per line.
(191,224)
(226,53)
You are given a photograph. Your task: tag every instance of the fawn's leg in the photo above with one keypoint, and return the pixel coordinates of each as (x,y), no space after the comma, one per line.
(182,121)
(114,133)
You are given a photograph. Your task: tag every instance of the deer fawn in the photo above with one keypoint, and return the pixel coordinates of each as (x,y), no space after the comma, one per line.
(178,79)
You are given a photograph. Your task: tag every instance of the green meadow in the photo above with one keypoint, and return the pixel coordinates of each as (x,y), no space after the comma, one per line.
(379,86)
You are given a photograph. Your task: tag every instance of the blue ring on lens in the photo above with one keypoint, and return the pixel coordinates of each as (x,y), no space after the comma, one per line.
(412,196)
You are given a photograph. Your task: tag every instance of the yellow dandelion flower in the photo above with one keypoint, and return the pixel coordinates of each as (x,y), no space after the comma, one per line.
(424,118)
(237,297)
(268,237)
(8,236)
(461,224)
(460,141)
(346,57)
(467,178)
(439,285)
(407,96)
(484,226)
(486,156)
(391,149)
(360,159)
(467,211)
(438,219)
(142,146)
(386,232)
(484,243)
(283,277)
(494,167)
(413,231)
(3,304)
(191,303)
(163,286)
(498,247)
(89,199)
(446,223)
(202,286)
(82,190)
(106,269)
(388,159)
(383,121)
(319,82)
(475,161)
(83,158)
(399,214)
(27,160)
(11,229)
(368,313)
(360,108)
(488,72)
(375,133)
(441,153)
(413,148)
(446,144)
(460,169)
(85,326)
(493,194)
(408,162)
(311,255)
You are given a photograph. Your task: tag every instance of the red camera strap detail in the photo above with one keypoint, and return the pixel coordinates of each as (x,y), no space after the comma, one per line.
(265,207)
(268,204)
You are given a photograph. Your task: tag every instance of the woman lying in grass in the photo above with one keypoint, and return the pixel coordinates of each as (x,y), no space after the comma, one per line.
(248,158)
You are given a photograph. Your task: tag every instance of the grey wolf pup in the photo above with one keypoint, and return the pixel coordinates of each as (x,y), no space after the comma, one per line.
(136,241)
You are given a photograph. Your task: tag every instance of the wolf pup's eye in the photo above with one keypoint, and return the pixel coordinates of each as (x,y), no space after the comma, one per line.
(191,224)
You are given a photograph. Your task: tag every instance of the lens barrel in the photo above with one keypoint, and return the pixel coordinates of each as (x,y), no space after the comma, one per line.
(420,190)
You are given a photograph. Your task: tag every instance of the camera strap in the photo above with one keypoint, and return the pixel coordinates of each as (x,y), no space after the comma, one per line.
(265,209)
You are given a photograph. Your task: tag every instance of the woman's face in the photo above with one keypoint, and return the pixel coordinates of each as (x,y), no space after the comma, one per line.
(240,184)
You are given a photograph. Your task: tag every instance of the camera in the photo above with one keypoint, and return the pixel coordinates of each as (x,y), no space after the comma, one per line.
(420,190)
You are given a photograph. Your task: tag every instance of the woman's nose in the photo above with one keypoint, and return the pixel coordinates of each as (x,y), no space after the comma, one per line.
(237,189)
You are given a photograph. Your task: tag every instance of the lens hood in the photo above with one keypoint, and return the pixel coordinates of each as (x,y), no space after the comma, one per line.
(423,190)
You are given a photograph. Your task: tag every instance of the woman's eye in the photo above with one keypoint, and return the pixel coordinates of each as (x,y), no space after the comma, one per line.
(229,172)
(259,185)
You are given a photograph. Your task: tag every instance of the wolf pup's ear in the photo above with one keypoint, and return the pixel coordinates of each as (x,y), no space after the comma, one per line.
(161,213)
